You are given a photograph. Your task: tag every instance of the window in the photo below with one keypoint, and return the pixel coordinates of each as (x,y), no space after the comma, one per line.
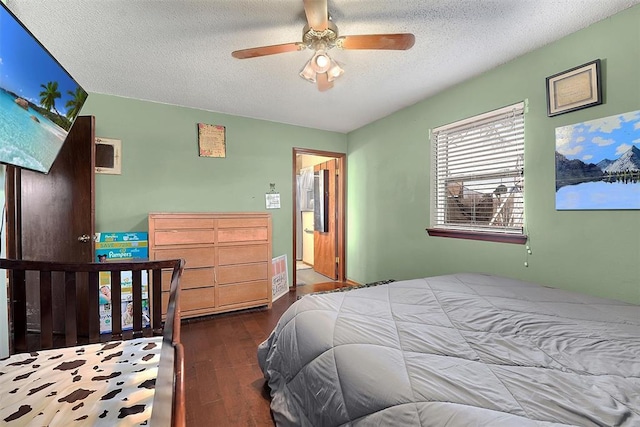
(478,177)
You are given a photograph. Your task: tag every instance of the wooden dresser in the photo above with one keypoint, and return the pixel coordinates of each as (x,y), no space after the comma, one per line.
(228,258)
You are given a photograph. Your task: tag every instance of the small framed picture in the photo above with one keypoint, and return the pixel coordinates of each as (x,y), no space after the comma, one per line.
(211,140)
(574,89)
(108,156)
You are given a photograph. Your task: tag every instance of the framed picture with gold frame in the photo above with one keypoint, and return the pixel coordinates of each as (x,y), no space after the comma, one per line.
(574,89)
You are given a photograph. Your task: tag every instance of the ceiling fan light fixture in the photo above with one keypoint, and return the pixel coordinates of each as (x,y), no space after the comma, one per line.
(334,71)
(308,73)
(320,35)
(321,61)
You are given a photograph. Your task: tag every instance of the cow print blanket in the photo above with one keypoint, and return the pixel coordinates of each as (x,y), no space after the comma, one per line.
(104,384)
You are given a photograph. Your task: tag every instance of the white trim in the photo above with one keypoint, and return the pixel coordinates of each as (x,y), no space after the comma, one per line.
(520,106)
(477,172)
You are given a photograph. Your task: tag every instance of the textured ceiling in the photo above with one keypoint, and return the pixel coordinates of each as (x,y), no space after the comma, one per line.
(179,52)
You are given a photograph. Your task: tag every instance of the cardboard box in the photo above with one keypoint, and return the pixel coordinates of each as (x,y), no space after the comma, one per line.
(126,297)
(122,246)
(127,321)
(280,278)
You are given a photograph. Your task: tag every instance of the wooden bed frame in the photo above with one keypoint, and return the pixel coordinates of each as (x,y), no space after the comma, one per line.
(79,283)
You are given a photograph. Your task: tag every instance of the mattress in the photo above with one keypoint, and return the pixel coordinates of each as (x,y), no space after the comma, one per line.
(104,384)
(455,350)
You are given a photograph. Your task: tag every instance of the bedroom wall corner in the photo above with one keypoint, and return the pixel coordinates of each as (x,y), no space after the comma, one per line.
(593,252)
(162,172)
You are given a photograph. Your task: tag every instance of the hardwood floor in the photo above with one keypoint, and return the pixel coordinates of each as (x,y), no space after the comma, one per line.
(224,385)
(309,277)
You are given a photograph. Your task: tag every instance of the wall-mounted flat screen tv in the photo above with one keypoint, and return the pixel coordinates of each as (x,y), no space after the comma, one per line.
(39,100)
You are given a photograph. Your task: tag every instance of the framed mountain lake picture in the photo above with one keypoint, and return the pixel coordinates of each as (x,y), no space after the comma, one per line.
(598,164)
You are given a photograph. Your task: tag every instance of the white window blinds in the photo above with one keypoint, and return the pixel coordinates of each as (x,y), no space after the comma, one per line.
(478,173)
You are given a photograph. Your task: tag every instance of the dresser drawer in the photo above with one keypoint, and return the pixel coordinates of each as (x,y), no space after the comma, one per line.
(193,257)
(243,293)
(242,273)
(191,278)
(182,223)
(243,222)
(243,254)
(183,237)
(230,235)
(192,299)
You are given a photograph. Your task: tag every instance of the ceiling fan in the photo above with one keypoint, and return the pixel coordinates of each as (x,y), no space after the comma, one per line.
(321,35)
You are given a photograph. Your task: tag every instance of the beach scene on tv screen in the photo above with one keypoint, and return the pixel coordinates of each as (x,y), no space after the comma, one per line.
(38,99)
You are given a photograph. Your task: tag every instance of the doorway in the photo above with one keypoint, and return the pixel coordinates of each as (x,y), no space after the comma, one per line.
(319,213)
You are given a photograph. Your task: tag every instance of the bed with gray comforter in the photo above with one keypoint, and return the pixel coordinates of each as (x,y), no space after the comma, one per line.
(455,350)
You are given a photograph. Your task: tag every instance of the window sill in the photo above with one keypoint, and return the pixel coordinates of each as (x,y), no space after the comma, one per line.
(519,239)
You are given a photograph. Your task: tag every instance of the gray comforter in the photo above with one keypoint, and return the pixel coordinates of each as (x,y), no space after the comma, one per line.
(455,350)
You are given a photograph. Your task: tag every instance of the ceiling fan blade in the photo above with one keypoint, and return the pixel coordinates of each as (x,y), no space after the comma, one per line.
(402,41)
(317,14)
(267,50)
(323,82)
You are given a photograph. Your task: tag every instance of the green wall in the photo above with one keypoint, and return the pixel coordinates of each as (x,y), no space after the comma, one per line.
(596,252)
(162,172)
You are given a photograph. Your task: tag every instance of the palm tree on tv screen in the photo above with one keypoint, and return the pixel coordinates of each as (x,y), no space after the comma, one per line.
(75,104)
(49,95)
